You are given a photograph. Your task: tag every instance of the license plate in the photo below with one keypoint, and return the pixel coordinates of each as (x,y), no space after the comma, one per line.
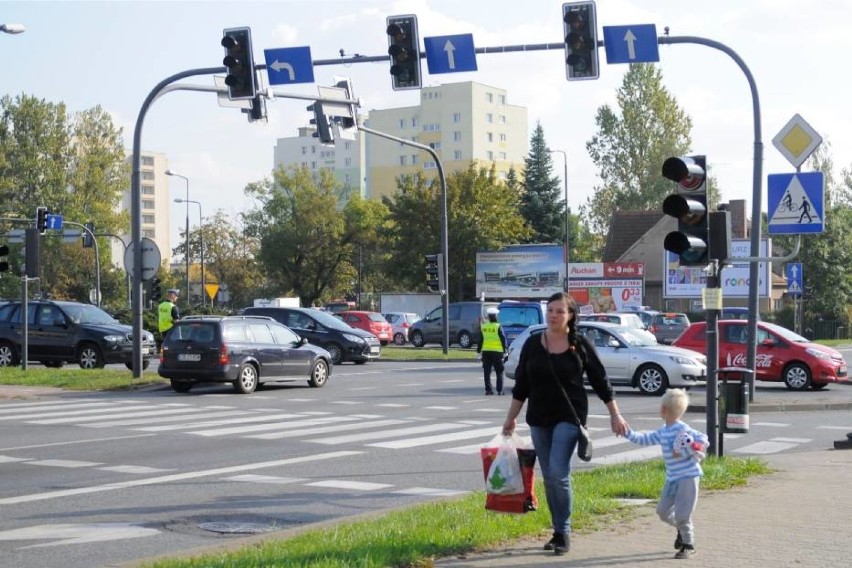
(375,350)
(189,357)
(843,371)
(146,351)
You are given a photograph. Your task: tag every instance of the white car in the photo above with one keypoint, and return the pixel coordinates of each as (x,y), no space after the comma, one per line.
(401,323)
(630,359)
(630,320)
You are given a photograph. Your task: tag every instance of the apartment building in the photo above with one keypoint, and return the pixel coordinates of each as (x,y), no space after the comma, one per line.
(460,121)
(156,205)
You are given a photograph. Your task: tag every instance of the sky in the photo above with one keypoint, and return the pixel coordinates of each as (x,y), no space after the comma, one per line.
(113,53)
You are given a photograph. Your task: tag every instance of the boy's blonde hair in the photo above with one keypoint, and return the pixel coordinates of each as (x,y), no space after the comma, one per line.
(676,400)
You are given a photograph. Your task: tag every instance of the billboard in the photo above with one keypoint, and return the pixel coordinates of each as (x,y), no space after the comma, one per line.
(687,282)
(520,271)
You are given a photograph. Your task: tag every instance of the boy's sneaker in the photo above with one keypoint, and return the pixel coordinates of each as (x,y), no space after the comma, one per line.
(678,542)
(559,544)
(685,551)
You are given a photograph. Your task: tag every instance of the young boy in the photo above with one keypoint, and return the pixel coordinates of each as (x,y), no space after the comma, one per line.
(680,492)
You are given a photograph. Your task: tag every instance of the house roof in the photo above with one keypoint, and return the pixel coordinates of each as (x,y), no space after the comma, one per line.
(627,228)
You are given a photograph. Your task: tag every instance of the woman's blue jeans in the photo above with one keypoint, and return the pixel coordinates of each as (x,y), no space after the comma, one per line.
(554,447)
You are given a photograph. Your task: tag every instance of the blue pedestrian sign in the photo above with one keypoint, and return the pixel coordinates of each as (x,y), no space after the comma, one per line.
(795,203)
(53,222)
(450,54)
(631,44)
(289,65)
(794,278)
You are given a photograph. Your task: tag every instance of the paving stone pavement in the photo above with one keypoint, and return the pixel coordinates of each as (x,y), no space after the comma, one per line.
(800,516)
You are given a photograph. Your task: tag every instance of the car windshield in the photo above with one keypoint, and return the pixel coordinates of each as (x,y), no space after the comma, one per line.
(786,333)
(329,320)
(83,313)
(634,338)
(376,317)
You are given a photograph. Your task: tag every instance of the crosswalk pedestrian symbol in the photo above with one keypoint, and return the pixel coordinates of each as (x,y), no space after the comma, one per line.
(796,203)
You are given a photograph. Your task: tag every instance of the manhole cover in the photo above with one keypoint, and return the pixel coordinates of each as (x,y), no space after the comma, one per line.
(238,528)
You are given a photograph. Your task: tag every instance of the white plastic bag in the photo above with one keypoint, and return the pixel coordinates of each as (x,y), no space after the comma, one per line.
(504,475)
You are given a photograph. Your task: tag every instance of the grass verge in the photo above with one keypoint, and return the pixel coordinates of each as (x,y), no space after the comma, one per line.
(415,536)
(75,378)
(410,353)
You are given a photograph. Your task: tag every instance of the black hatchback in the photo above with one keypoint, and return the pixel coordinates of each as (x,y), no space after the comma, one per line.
(245,351)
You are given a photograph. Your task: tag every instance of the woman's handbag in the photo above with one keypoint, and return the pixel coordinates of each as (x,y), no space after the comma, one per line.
(584,441)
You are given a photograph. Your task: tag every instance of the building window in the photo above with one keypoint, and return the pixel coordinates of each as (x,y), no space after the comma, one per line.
(490,155)
(456,117)
(402,124)
(304,164)
(502,119)
(413,159)
(147,190)
(347,145)
(347,162)
(489,97)
(457,155)
(304,150)
(457,136)
(148,161)
(147,219)
(402,161)
(502,137)
(414,122)
(148,175)
(435,145)
(347,179)
(313,149)
(148,233)
(502,155)
(501,99)
(489,118)
(490,136)
(429,165)
(313,165)
(147,204)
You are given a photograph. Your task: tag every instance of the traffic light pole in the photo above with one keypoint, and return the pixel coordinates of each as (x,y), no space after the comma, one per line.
(712,390)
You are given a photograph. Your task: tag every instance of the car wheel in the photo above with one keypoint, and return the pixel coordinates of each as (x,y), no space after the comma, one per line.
(89,356)
(797,376)
(319,376)
(652,380)
(465,340)
(246,382)
(417,339)
(145,364)
(335,351)
(399,339)
(8,355)
(181,386)
(53,364)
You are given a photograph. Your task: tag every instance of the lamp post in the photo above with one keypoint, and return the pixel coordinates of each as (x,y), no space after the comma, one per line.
(186,235)
(567,216)
(201,244)
(12,28)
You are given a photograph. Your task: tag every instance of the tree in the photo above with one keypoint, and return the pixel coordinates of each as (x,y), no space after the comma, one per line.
(541,198)
(631,146)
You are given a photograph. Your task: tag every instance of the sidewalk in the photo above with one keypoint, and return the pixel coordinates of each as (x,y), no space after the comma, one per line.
(798,516)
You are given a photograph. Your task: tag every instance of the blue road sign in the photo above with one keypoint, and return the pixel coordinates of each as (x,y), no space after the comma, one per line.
(289,65)
(450,54)
(795,203)
(631,44)
(794,278)
(53,222)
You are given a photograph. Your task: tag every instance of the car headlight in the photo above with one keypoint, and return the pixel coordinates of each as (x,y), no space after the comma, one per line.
(113,338)
(354,338)
(818,354)
(680,360)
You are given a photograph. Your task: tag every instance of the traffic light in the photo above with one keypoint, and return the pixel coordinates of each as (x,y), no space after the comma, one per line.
(41,219)
(581,40)
(434,271)
(4,263)
(88,241)
(345,121)
(320,121)
(257,111)
(404,50)
(720,236)
(156,290)
(241,80)
(689,206)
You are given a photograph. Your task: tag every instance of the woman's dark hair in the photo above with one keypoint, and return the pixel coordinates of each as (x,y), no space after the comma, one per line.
(572,323)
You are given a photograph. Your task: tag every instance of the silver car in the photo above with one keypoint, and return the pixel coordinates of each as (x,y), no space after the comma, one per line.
(630,359)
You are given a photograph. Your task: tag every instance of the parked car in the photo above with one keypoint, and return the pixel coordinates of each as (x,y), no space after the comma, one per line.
(631,320)
(782,355)
(630,359)
(245,351)
(668,326)
(60,332)
(515,317)
(401,323)
(373,322)
(465,320)
(344,342)
(645,314)
(735,313)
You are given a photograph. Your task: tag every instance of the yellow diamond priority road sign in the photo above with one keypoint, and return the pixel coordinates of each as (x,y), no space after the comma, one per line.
(797,140)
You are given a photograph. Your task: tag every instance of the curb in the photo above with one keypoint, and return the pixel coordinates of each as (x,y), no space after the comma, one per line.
(784,407)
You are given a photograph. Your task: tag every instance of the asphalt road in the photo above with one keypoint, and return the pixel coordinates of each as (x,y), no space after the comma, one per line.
(96,479)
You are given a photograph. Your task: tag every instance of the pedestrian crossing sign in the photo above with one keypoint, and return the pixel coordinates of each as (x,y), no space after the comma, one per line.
(796,203)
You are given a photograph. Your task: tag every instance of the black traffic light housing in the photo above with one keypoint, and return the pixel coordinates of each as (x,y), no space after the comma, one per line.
(581,40)
(689,206)
(88,241)
(434,264)
(404,51)
(322,124)
(41,219)
(4,263)
(241,80)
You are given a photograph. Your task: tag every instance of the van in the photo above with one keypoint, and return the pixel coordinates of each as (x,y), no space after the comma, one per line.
(465,321)
(516,316)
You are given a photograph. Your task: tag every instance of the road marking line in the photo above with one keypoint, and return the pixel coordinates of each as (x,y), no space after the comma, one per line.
(10,459)
(843,428)
(64,463)
(439,408)
(276,426)
(766,447)
(394,405)
(770,424)
(87,419)
(174,477)
(243,420)
(326,430)
(386,434)
(253,478)
(429,492)
(161,419)
(792,440)
(356,485)
(429,440)
(72,442)
(135,469)
(70,413)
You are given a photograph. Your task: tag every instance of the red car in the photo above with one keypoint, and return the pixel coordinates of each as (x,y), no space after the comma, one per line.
(781,354)
(373,322)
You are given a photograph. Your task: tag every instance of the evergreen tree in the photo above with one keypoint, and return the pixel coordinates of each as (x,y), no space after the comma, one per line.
(542,205)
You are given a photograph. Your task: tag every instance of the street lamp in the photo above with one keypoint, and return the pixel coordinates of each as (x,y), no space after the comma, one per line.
(567,216)
(201,242)
(186,235)
(12,28)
